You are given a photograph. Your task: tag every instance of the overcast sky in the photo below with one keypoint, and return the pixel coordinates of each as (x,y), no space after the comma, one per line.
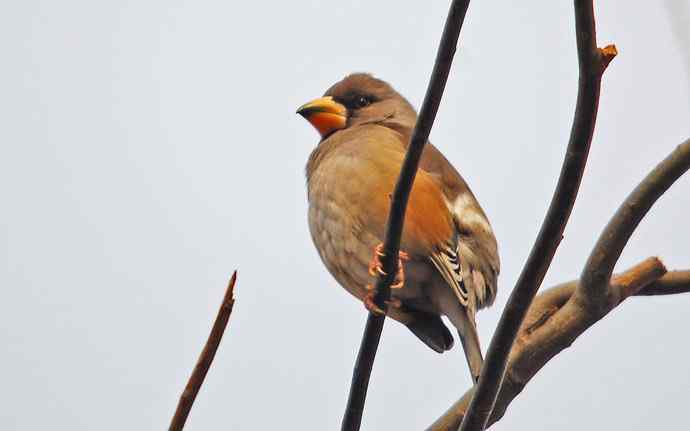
(149,148)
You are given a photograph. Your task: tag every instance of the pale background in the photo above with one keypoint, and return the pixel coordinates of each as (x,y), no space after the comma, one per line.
(150,148)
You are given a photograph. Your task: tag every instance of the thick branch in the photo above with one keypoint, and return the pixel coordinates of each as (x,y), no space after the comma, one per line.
(205,359)
(396,217)
(595,277)
(553,323)
(592,62)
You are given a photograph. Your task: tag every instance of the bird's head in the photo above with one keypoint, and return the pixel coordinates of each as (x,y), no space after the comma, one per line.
(357,99)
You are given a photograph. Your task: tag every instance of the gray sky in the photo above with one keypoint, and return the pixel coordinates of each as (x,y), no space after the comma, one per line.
(147,149)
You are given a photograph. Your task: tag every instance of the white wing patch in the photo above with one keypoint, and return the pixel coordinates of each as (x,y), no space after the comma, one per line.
(454,259)
(464,208)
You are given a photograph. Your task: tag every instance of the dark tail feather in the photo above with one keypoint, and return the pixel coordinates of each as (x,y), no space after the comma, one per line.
(430,329)
(473,352)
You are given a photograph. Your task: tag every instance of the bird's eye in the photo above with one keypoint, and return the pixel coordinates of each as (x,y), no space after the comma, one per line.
(363,101)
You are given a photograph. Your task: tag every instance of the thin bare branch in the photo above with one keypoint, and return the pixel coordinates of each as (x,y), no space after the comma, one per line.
(205,358)
(553,323)
(396,217)
(592,62)
(594,280)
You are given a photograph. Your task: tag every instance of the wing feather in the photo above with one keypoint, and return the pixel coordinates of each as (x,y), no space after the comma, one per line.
(447,262)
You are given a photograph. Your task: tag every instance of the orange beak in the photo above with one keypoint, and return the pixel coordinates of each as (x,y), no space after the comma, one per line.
(325,114)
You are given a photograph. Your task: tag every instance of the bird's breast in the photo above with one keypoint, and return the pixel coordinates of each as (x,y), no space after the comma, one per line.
(343,243)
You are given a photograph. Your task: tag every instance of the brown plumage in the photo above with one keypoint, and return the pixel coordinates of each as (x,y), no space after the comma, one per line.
(453,259)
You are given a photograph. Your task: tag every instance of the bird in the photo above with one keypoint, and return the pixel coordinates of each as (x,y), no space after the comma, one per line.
(448,263)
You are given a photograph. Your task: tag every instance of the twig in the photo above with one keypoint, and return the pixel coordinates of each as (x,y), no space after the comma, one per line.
(631,282)
(594,280)
(551,326)
(592,62)
(672,283)
(205,358)
(396,217)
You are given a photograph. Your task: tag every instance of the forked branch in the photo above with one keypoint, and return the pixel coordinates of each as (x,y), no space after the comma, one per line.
(552,325)
(561,314)
(599,266)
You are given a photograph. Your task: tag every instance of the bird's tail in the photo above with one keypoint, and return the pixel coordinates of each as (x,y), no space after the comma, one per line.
(473,352)
(430,329)
(463,320)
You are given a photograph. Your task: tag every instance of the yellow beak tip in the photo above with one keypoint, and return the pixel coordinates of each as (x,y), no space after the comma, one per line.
(325,114)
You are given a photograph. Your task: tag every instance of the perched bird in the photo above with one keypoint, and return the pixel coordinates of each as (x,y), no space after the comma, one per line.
(449,256)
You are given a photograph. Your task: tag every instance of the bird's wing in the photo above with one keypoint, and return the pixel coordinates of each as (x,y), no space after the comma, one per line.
(447,262)
(476,248)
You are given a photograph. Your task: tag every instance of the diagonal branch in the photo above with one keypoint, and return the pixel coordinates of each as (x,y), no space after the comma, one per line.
(592,63)
(205,358)
(561,314)
(396,217)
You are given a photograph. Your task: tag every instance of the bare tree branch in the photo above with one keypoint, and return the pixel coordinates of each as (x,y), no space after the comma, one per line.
(396,216)
(561,314)
(205,358)
(552,324)
(599,267)
(592,62)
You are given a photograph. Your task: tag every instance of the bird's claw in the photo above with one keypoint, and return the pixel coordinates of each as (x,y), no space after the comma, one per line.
(371,306)
(376,268)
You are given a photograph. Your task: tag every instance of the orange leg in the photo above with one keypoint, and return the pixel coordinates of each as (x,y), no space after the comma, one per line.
(375,268)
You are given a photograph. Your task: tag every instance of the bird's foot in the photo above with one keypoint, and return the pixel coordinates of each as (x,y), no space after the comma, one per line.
(376,268)
(371,306)
(369,303)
